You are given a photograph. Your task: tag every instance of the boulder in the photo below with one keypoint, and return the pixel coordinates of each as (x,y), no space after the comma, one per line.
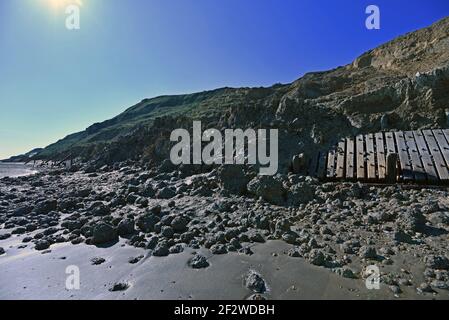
(126,227)
(179,223)
(232,178)
(146,222)
(268,188)
(45,206)
(104,233)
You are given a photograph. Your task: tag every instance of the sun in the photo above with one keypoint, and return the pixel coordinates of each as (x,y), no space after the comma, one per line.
(57,4)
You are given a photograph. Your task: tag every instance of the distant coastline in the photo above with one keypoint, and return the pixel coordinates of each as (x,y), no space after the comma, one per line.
(16,169)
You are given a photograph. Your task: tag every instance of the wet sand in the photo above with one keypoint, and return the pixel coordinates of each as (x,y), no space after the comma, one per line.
(27,274)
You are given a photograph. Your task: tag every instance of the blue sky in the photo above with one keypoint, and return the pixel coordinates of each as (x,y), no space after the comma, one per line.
(54,81)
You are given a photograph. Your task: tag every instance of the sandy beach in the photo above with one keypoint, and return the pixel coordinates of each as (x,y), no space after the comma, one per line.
(32,275)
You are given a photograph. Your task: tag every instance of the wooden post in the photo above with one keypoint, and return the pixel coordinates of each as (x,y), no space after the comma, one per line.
(392,168)
(298,163)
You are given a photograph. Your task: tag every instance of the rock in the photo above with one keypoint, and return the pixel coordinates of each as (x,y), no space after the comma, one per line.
(134,260)
(104,233)
(366,252)
(254,282)
(131,198)
(146,222)
(187,237)
(345,272)
(316,257)
(198,262)
(379,217)
(167,232)
(425,288)
(300,193)
(294,252)
(282,226)
(120,286)
(235,243)
(97,261)
(50,231)
(22,211)
(99,209)
(142,202)
(126,227)
(45,206)
(412,220)
(82,193)
(161,249)
(290,237)
(19,230)
(167,219)
(437,218)
(256,297)
(179,224)
(2,251)
(42,245)
(401,236)
(232,179)
(256,237)
(166,166)
(165,193)
(152,242)
(437,262)
(246,250)
(77,240)
(5,236)
(27,239)
(177,248)
(147,190)
(67,204)
(218,249)
(395,289)
(350,247)
(439,284)
(268,188)
(156,209)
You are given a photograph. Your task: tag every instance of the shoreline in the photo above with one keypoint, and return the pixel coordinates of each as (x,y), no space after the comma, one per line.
(18,169)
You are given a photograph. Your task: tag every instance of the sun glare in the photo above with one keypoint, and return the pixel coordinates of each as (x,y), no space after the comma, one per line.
(58,4)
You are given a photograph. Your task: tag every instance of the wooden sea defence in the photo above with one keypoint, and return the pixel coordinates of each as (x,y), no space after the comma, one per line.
(418,157)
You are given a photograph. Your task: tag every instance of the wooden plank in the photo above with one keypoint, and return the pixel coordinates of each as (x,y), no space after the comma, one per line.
(322,164)
(360,157)
(341,151)
(442,144)
(404,160)
(331,158)
(438,159)
(380,154)
(350,158)
(446,133)
(389,139)
(371,157)
(426,157)
(417,166)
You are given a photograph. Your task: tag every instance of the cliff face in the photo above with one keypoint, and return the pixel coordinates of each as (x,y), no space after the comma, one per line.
(403,84)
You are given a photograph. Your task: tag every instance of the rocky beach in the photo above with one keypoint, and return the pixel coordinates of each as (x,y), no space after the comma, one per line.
(139,227)
(156,218)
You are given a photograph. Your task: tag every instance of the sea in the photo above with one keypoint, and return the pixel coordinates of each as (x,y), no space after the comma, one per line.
(16,169)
